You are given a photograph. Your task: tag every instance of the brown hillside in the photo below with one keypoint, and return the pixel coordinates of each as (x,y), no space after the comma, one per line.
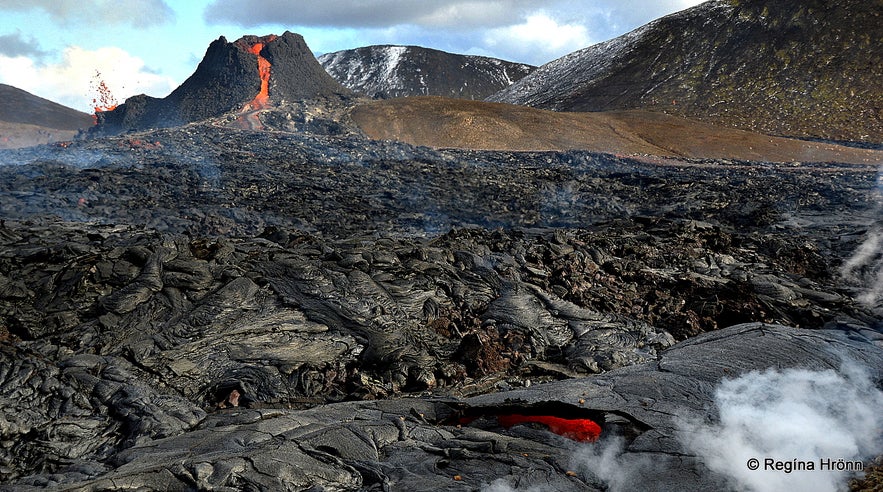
(26,119)
(441,122)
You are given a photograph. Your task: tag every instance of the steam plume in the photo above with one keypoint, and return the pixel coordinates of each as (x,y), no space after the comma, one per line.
(787,416)
(790,416)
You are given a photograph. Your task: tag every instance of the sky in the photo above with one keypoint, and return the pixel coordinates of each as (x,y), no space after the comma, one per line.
(62,49)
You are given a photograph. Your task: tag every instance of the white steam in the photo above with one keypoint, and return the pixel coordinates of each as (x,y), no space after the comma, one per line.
(792,417)
(603,464)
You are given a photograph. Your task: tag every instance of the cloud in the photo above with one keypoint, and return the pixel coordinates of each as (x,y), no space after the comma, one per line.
(537,40)
(458,14)
(73,80)
(16,45)
(136,13)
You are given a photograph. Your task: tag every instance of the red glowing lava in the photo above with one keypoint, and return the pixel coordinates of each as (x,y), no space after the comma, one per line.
(583,430)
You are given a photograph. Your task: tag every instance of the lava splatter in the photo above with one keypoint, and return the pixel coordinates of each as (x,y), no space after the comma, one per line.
(103,99)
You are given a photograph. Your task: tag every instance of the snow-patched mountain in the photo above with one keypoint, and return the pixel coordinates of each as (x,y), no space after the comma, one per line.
(401,71)
(810,69)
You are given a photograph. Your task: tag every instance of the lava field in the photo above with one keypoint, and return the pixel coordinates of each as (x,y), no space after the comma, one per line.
(208,307)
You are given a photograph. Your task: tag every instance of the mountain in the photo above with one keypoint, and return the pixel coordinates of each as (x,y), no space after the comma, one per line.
(806,69)
(402,71)
(26,119)
(245,75)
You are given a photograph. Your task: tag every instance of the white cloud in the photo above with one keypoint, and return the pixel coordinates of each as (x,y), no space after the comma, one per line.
(464,15)
(72,81)
(537,40)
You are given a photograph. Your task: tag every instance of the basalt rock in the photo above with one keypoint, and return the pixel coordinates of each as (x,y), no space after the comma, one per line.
(295,72)
(119,337)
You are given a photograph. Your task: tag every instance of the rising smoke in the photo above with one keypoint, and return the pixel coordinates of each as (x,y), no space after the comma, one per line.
(617,471)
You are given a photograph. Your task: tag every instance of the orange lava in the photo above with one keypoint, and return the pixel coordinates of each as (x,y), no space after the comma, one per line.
(583,430)
(261,100)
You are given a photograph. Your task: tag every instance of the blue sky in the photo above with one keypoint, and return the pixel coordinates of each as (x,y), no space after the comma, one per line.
(54,48)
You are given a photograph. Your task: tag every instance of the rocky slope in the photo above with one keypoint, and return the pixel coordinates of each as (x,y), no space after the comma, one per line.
(230,78)
(806,69)
(402,71)
(26,119)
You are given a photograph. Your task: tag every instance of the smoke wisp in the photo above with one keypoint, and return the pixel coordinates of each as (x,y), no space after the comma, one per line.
(865,268)
(617,471)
